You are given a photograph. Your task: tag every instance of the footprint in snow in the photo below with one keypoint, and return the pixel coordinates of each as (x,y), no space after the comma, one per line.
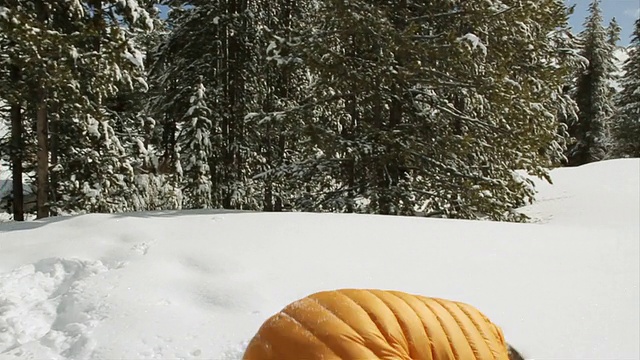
(196,352)
(46,304)
(143,247)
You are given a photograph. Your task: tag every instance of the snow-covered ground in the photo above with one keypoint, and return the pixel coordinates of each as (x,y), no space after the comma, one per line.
(197,285)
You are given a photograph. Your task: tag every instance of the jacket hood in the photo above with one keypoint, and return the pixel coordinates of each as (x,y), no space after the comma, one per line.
(377,324)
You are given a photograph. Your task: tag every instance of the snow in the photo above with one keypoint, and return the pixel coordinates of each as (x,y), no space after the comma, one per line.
(271,47)
(198,284)
(513,83)
(475,42)
(4,129)
(605,189)
(6,185)
(4,12)
(135,57)
(620,55)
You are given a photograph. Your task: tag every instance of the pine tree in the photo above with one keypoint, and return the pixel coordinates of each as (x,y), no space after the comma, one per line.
(13,143)
(38,57)
(194,139)
(280,86)
(613,32)
(74,59)
(178,69)
(380,107)
(242,85)
(150,188)
(593,91)
(92,154)
(405,103)
(626,123)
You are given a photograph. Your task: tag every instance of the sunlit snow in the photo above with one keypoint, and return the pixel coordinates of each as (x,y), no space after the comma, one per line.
(475,41)
(4,12)
(198,284)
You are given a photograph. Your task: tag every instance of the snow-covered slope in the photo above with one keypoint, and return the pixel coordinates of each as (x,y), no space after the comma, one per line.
(197,285)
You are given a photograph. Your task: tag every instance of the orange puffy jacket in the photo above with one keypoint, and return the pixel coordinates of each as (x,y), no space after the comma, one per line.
(376,324)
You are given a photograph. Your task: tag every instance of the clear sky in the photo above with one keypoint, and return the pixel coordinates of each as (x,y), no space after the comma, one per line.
(625,12)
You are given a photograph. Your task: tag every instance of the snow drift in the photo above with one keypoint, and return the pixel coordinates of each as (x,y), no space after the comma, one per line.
(198,284)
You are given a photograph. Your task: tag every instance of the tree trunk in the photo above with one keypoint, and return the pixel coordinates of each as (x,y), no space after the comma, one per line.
(54,148)
(268,155)
(390,172)
(42,173)
(283,91)
(268,196)
(227,133)
(42,134)
(98,23)
(17,150)
(349,131)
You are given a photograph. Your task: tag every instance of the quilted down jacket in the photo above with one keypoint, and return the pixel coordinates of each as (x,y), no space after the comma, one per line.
(375,324)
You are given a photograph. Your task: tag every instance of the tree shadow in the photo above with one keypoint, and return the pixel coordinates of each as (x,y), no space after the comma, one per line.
(34,224)
(174,213)
(30,224)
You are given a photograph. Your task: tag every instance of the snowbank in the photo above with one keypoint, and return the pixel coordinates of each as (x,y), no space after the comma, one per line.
(197,285)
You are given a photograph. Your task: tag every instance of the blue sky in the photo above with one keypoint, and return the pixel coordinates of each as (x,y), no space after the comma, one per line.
(625,12)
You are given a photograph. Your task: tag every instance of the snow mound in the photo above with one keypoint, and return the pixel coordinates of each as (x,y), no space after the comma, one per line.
(198,284)
(604,194)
